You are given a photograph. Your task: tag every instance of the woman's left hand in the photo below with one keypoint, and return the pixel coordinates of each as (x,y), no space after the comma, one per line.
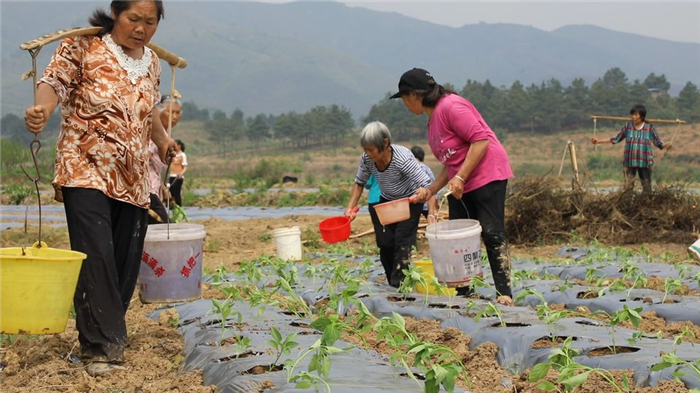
(167,150)
(456,187)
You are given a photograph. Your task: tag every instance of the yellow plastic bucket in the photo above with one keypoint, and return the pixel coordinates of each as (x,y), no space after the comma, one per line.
(36,288)
(428,273)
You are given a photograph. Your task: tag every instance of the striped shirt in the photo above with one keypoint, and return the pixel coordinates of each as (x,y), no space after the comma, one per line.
(400,179)
(638,151)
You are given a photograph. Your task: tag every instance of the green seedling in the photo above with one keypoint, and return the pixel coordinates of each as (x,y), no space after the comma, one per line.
(224,310)
(290,274)
(219,276)
(626,314)
(672,360)
(321,350)
(636,336)
(295,303)
(671,285)
(338,302)
(366,266)
(490,311)
(242,344)
(683,270)
(412,277)
(251,271)
(563,286)
(442,289)
(439,364)
(477,282)
(281,345)
(544,313)
(571,373)
(678,338)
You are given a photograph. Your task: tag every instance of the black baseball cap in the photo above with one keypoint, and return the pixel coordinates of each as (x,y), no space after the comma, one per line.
(412,80)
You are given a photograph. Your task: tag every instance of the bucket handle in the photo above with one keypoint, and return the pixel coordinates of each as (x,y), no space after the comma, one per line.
(441,202)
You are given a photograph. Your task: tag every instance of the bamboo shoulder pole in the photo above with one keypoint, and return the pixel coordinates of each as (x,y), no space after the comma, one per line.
(38,43)
(657,121)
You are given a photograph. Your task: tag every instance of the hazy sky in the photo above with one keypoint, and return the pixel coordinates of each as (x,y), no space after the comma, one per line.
(677,21)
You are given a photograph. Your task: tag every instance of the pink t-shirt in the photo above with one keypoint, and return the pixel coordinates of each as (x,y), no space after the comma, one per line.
(454,126)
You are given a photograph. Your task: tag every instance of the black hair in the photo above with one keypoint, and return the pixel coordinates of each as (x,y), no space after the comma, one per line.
(418,153)
(641,110)
(431,96)
(101,18)
(181,144)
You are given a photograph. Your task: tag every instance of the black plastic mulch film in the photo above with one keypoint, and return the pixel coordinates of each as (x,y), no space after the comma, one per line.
(359,370)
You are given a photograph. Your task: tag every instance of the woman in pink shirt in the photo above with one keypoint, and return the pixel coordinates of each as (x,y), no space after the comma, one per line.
(475,165)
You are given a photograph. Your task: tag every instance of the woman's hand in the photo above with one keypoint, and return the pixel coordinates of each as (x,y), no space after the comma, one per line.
(456,187)
(432,218)
(505,300)
(667,146)
(351,212)
(167,150)
(36,117)
(594,141)
(421,195)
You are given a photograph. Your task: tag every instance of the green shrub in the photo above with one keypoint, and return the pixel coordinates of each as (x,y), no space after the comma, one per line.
(16,193)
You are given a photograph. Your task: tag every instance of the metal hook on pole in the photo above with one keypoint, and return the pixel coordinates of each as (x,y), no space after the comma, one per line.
(35,145)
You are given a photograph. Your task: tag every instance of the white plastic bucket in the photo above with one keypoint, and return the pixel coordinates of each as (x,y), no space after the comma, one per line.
(288,243)
(171,264)
(694,250)
(455,248)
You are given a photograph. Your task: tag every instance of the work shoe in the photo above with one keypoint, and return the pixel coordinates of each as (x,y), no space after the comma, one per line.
(101,368)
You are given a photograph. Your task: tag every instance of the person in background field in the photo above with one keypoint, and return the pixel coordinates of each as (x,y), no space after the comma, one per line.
(374,192)
(177,173)
(638,154)
(475,166)
(419,154)
(157,212)
(109,114)
(399,176)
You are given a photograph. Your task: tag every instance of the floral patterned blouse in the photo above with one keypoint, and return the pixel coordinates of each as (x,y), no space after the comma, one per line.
(106,102)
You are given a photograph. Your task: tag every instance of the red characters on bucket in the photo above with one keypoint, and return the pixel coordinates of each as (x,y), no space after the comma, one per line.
(153,264)
(191,263)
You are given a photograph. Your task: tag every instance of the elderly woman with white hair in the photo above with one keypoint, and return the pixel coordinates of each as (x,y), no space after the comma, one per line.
(399,176)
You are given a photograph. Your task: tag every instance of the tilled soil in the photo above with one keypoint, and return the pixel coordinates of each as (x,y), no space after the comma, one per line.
(154,353)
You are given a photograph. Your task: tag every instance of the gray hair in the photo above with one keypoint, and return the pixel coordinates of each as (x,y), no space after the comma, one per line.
(374,134)
(168,99)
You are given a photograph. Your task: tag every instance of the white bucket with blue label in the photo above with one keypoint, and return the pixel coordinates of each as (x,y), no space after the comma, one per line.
(455,248)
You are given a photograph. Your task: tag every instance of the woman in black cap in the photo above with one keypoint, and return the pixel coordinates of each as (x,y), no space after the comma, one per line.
(475,165)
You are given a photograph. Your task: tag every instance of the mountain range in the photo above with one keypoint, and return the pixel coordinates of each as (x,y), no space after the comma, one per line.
(275,58)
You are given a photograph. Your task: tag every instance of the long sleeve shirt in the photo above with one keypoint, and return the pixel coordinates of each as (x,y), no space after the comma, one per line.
(638,152)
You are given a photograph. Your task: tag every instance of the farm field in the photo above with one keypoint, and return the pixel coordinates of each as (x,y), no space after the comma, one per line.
(623,295)
(157,355)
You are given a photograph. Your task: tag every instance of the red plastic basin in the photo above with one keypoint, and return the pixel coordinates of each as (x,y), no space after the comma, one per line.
(335,229)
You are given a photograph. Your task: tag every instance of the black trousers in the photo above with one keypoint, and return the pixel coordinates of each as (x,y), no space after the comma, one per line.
(112,234)
(487,205)
(160,211)
(176,188)
(644,176)
(395,242)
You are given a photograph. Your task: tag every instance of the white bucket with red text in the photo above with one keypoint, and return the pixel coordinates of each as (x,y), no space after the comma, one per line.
(455,248)
(171,263)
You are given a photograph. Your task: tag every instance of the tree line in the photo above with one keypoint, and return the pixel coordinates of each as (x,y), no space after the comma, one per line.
(319,125)
(548,107)
(551,107)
